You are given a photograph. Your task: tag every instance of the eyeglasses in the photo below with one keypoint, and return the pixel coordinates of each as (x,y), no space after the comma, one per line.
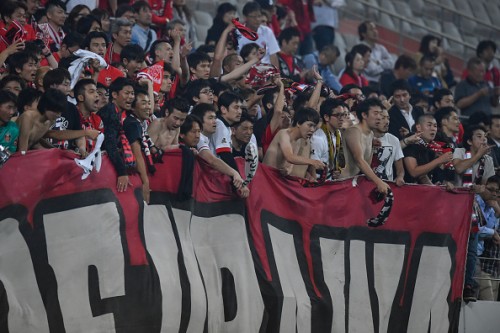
(207,91)
(340,115)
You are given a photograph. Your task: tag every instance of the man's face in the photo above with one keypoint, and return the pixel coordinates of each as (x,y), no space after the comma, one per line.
(291,46)
(447,100)
(192,137)
(181,28)
(90,98)
(495,129)
(124,98)
(52,116)
(371,32)
(427,128)
(476,73)
(254,20)
(130,16)
(7,111)
(336,120)
(374,117)
(478,140)
(202,70)
(124,36)
(142,108)
(64,87)
(491,192)
(133,67)
(68,51)
(383,125)
(57,16)
(18,15)
(14,87)
(165,52)
(487,55)
(232,114)
(103,97)
(452,123)
(28,71)
(327,58)
(175,119)
(98,46)
(32,6)
(401,99)
(426,69)
(166,83)
(209,122)
(307,129)
(243,132)
(144,16)
(206,96)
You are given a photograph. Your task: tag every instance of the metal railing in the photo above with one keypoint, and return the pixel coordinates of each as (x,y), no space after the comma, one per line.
(460,16)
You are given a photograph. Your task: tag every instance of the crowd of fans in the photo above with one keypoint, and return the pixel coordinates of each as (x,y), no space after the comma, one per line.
(130,71)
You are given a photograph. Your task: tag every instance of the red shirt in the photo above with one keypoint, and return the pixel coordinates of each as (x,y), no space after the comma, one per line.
(91,122)
(45,62)
(358,80)
(111,56)
(267,138)
(109,74)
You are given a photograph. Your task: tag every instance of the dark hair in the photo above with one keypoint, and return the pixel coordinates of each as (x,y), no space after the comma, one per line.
(305,114)
(196,58)
(94,35)
(65,63)
(139,91)
(345,89)
(268,98)
(9,7)
(6,97)
(366,105)
(122,9)
(39,14)
(479,117)
(400,84)
(424,44)
(118,84)
(99,13)
(349,62)
(178,103)
(201,109)
(244,117)
(326,108)
(52,100)
(206,49)
(194,87)
(55,76)
(251,7)
(79,88)
(361,49)
(443,113)
(155,45)
(227,98)
(405,61)
(227,59)
(426,58)
(10,78)
(363,28)
(70,23)
(27,97)
(224,8)
(18,59)
(132,52)
(220,87)
(287,34)
(485,44)
(330,48)
(469,133)
(139,5)
(85,23)
(473,62)
(188,124)
(247,49)
(168,68)
(418,97)
(439,94)
(72,39)
(56,3)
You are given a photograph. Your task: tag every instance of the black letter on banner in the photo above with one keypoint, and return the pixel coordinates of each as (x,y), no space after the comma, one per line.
(360,272)
(139,309)
(290,278)
(438,249)
(21,305)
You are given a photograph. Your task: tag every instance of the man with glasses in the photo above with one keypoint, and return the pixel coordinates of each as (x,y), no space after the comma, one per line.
(266,40)
(326,143)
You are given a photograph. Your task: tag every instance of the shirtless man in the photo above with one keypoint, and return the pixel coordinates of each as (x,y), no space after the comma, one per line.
(289,153)
(358,141)
(34,126)
(164,132)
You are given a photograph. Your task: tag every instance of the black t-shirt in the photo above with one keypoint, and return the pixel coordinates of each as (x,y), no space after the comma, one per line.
(69,120)
(259,129)
(423,155)
(133,129)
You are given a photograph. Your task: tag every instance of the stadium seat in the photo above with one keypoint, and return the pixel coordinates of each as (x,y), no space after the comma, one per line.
(417,6)
(350,41)
(371,12)
(386,21)
(339,42)
(403,9)
(202,18)
(493,10)
(433,24)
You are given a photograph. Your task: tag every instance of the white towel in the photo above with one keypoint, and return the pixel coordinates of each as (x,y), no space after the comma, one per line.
(77,66)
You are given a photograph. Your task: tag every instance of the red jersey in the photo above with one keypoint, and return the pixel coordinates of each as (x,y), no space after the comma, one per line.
(109,74)
(111,56)
(91,122)
(267,138)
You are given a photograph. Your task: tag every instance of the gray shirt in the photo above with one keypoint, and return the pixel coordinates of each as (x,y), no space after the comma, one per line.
(467,88)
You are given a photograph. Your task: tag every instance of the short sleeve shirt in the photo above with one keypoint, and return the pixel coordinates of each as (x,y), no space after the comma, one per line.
(69,120)
(489,168)
(423,156)
(204,143)
(220,141)
(385,155)
(9,135)
(266,40)
(133,129)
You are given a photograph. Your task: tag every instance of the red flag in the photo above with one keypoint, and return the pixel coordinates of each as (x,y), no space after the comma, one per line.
(155,74)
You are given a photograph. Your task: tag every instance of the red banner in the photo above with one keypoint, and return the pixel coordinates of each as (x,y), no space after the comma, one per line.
(76,256)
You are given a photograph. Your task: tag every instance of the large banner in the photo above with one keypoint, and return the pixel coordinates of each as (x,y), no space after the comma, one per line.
(77,256)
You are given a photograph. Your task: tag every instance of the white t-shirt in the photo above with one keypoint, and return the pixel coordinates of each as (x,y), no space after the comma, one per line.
(389,152)
(204,144)
(220,141)
(266,40)
(489,168)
